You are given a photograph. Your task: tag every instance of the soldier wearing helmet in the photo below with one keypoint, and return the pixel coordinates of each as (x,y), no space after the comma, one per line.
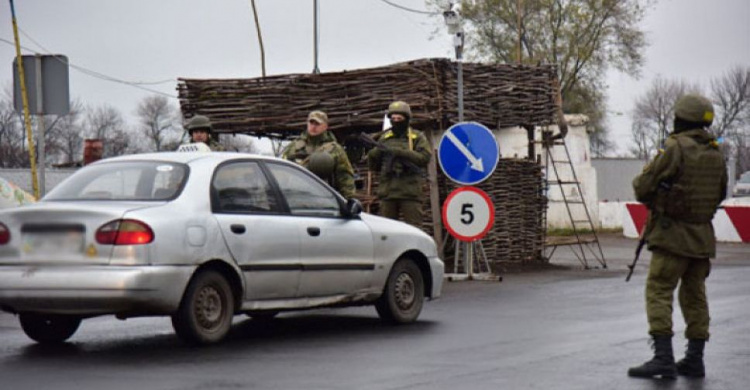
(200,130)
(400,187)
(317,150)
(682,188)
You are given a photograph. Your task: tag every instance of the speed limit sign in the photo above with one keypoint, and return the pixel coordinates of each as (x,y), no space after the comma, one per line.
(468,214)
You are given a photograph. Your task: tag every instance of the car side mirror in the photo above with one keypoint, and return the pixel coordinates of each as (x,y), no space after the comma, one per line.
(353,207)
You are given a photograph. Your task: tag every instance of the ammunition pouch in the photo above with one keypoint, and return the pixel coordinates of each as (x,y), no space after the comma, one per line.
(672,201)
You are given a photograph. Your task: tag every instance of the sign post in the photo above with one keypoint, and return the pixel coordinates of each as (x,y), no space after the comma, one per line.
(42,80)
(468,154)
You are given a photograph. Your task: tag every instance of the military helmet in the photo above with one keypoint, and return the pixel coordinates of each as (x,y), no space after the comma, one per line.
(694,108)
(321,164)
(199,122)
(399,107)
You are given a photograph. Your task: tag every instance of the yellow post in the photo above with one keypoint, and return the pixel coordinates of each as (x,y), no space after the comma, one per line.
(25,99)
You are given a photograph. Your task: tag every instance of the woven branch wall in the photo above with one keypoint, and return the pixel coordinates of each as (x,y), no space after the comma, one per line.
(516,191)
(277,106)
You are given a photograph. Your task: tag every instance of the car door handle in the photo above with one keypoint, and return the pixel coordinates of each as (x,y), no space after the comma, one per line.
(237,229)
(313,231)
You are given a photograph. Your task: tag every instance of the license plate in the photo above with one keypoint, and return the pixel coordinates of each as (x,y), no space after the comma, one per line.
(57,243)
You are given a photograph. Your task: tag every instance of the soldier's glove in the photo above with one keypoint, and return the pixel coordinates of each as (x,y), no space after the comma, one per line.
(298,156)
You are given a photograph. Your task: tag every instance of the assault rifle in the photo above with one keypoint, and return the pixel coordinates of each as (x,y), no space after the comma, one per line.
(631,266)
(389,157)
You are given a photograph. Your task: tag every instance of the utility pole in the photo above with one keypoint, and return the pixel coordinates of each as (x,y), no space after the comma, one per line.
(453,21)
(25,99)
(260,39)
(316,70)
(519,20)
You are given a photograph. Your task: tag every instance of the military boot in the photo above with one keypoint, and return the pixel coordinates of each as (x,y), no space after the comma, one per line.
(661,365)
(692,364)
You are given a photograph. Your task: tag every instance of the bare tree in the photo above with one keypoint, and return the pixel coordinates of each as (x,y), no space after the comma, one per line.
(238,143)
(69,134)
(11,134)
(653,115)
(101,120)
(157,121)
(731,96)
(106,123)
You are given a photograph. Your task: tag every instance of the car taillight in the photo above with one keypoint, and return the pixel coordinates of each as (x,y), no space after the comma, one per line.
(124,232)
(4,234)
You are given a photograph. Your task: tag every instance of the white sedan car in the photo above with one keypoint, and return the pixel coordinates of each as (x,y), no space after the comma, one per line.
(201,237)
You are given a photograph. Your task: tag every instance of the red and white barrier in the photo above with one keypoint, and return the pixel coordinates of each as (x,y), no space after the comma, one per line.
(731,222)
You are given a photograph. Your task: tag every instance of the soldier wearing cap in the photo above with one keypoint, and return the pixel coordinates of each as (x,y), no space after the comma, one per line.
(317,150)
(400,187)
(200,130)
(682,188)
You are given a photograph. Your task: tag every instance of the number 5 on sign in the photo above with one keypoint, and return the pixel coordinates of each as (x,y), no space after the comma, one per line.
(468,214)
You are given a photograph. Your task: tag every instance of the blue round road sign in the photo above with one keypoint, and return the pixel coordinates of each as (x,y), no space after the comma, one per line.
(468,153)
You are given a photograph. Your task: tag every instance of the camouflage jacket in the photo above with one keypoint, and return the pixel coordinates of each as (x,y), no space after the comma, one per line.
(682,187)
(300,150)
(398,182)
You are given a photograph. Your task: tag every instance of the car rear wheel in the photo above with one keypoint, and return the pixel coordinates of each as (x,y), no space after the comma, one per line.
(206,311)
(49,328)
(403,296)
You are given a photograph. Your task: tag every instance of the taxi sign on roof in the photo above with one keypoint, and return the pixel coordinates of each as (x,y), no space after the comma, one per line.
(195,147)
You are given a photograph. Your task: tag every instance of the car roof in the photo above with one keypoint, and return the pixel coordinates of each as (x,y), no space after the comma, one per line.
(185,157)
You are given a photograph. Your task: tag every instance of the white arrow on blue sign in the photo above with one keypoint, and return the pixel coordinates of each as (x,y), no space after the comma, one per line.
(468,153)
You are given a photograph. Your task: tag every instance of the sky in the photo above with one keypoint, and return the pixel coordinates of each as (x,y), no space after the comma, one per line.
(156,41)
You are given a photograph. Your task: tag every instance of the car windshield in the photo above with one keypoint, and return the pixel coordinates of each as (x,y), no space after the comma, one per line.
(129,180)
(745,178)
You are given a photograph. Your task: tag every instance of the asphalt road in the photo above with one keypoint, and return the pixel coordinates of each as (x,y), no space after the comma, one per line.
(563,328)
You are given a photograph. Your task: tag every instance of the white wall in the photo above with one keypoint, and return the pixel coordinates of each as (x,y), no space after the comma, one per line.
(513,142)
(611,214)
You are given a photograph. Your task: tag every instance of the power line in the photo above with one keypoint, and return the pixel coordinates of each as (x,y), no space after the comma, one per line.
(93,72)
(96,74)
(416,11)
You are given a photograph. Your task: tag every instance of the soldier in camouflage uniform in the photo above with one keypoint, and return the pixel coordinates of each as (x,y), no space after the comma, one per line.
(400,187)
(199,128)
(317,150)
(682,187)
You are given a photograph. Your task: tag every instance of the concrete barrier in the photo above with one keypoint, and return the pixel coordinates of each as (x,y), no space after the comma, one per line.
(731,222)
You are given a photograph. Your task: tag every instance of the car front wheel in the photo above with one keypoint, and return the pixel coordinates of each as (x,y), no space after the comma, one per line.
(403,296)
(206,311)
(48,329)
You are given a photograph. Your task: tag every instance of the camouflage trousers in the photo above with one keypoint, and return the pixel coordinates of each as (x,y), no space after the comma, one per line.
(411,210)
(665,272)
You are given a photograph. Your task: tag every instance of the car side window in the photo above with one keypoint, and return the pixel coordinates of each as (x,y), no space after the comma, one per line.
(303,194)
(242,188)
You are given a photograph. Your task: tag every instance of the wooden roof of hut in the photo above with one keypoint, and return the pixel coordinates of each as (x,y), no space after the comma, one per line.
(355,101)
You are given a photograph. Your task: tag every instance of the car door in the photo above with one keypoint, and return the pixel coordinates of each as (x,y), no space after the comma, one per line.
(264,242)
(336,252)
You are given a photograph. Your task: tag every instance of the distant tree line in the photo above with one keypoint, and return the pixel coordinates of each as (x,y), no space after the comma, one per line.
(158,128)
(653,115)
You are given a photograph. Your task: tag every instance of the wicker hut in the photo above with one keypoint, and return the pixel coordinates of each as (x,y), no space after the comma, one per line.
(496,96)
